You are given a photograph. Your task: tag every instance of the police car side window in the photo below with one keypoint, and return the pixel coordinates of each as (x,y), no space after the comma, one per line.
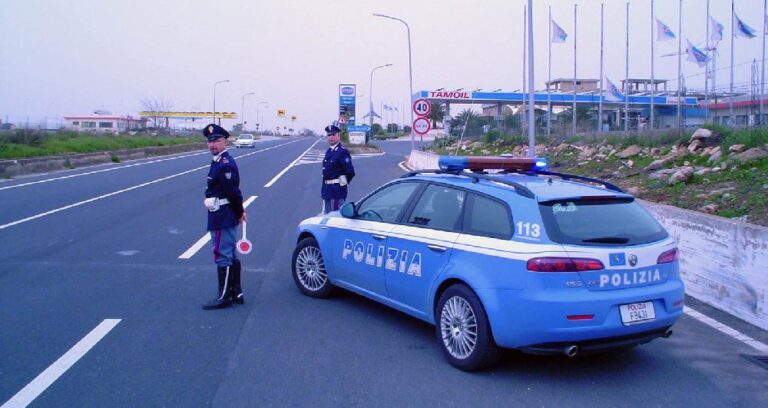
(439,207)
(488,217)
(386,204)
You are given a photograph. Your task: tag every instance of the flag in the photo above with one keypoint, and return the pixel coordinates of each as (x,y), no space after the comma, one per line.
(716,30)
(742,30)
(696,55)
(614,93)
(395,108)
(663,32)
(558,34)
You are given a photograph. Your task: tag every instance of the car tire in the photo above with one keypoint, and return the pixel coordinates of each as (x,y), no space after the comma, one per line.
(309,271)
(463,330)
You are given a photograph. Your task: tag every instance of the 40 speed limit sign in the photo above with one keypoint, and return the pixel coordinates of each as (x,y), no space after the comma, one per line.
(421,126)
(421,107)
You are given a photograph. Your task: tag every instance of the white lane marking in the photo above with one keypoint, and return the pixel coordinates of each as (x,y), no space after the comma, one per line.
(99,171)
(189,253)
(60,366)
(10,224)
(274,179)
(757,345)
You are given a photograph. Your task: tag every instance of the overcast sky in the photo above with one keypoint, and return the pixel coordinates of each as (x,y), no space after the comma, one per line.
(71,57)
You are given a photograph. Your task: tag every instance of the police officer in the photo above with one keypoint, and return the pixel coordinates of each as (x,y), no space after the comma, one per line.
(224,202)
(337,171)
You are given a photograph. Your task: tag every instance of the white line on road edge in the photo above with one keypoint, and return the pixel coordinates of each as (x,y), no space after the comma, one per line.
(10,224)
(274,179)
(189,253)
(727,330)
(100,171)
(60,366)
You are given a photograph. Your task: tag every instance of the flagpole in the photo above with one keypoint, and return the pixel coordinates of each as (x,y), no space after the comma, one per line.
(531,113)
(626,79)
(600,106)
(525,44)
(549,74)
(574,69)
(762,67)
(679,55)
(731,121)
(706,73)
(653,82)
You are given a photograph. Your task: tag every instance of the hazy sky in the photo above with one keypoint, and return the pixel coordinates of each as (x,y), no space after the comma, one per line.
(71,57)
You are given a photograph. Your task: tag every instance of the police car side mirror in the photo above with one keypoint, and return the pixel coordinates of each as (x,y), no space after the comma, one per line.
(348,210)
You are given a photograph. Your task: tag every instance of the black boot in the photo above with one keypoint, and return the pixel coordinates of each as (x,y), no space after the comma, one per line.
(224,299)
(236,290)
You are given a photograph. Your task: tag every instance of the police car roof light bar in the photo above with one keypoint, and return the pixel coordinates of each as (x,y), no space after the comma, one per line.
(480,163)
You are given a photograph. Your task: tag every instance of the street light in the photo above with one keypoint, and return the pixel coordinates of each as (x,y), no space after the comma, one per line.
(370,95)
(214,98)
(410,67)
(258,118)
(242,110)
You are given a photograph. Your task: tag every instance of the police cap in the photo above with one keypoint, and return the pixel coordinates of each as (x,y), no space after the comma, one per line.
(214,131)
(332,129)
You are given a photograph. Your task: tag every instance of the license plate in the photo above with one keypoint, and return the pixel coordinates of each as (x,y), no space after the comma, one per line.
(634,313)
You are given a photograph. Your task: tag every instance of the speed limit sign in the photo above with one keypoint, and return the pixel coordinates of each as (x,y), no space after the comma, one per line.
(421,126)
(421,107)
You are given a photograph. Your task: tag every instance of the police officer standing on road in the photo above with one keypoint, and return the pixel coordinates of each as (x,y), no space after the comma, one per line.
(224,202)
(337,171)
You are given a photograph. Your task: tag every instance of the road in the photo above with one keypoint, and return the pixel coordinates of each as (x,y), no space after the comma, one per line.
(98,251)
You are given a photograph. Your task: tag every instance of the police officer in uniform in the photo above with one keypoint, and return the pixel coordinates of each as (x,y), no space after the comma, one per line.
(224,202)
(337,171)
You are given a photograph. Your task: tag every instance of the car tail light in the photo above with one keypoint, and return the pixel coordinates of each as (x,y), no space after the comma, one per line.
(580,317)
(668,256)
(558,264)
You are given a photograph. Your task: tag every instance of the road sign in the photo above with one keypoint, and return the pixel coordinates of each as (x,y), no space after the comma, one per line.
(421,126)
(421,107)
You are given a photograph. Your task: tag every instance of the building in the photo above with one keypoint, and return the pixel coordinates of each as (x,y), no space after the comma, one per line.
(565,85)
(104,122)
(746,111)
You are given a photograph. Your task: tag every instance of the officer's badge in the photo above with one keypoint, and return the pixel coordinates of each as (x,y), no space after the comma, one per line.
(228,175)
(210,129)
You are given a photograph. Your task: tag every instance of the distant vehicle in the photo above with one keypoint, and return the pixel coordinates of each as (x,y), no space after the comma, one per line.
(245,140)
(526,259)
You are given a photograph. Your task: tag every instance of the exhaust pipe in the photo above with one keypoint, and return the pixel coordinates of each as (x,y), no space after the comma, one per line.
(668,333)
(571,350)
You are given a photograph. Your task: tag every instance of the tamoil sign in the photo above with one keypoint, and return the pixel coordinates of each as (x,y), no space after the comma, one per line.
(347,94)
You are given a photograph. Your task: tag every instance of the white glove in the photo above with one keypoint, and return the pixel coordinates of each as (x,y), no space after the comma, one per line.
(211,203)
(343,180)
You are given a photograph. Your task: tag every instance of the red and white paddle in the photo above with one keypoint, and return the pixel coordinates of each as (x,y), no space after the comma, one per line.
(244,246)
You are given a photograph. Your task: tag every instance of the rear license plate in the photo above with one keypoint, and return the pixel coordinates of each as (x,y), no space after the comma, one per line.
(634,313)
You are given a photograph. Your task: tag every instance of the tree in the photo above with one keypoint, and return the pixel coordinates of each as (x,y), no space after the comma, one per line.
(468,118)
(436,114)
(156,106)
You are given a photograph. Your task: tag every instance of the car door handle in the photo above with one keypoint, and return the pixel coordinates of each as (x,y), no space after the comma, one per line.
(437,248)
(378,237)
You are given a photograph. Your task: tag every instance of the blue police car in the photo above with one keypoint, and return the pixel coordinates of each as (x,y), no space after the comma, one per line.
(500,252)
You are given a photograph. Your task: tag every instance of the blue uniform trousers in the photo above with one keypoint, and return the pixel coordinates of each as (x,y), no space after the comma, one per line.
(223,241)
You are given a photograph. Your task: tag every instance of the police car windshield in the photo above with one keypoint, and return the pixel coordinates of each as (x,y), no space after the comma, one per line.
(604,222)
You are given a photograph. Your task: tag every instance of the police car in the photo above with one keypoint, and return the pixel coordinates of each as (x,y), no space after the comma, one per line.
(500,252)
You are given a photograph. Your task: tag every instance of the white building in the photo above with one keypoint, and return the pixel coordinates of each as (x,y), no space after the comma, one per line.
(104,123)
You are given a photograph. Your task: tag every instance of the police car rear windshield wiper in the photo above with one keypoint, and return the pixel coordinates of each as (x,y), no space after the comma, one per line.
(607,240)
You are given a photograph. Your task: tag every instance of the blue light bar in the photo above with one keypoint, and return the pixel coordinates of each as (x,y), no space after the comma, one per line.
(479,163)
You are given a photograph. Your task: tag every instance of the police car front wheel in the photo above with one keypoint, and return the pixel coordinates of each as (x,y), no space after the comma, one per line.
(463,330)
(309,269)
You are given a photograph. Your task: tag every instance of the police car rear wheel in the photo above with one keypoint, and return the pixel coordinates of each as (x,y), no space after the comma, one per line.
(309,269)
(463,331)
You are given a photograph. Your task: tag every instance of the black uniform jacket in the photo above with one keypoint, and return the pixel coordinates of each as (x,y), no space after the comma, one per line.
(337,162)
(224,182)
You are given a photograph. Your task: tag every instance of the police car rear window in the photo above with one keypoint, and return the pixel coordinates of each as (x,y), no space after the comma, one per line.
(602,222)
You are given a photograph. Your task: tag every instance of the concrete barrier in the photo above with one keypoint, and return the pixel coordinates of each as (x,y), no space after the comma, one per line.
(723,263)
(33,165)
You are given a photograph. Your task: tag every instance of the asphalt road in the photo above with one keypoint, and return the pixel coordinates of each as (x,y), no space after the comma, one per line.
(79,247)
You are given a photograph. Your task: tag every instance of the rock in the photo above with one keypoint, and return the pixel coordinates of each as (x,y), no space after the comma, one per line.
(709,208)
(715,169)
(629,163)
(682,174)
(737,148)
(706,136)
(485,152)
(749,155)
(716,155)
(587,153)
(702,172)
(695,145)
(706,152)
(630,151)
(634,191)
(657,164)
(686,163)
(662,174)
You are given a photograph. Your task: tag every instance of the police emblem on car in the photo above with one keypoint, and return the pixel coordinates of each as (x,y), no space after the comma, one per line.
(521,257)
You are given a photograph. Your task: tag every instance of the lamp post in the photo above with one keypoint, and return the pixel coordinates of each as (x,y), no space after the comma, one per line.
(214,98)
(370,96)
(410,67)
(258,118)
(242,110)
